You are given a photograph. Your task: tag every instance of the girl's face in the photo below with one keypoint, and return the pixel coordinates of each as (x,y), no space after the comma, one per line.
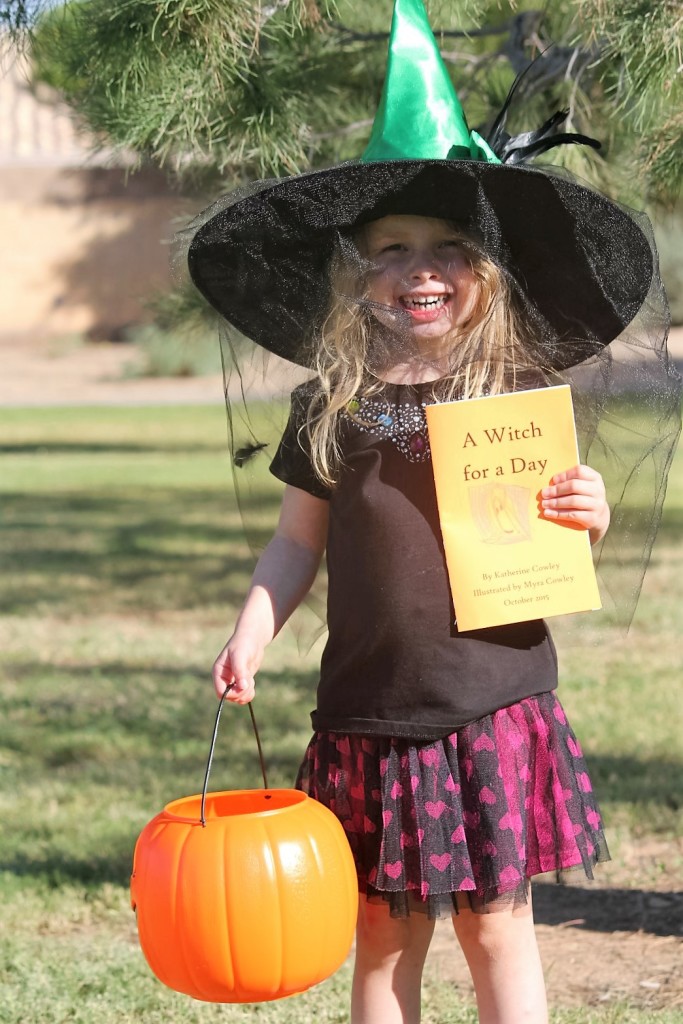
(420,268)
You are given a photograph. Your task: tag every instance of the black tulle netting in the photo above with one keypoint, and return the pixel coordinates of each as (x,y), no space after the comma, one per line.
(626,392)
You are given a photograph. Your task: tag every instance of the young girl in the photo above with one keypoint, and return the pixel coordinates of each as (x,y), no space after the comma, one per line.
(446,756)
(428,271)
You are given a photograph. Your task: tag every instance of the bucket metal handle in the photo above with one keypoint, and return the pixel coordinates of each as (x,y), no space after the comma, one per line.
(213,747)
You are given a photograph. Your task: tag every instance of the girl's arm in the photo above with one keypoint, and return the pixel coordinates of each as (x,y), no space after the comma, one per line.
(283,576)
(578,496)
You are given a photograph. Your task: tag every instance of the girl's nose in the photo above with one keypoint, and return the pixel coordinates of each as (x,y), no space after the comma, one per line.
(422,261)
(425,268)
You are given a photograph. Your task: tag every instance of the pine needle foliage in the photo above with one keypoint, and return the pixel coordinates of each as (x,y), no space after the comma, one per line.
(228,90)
(218,92)
(16,16)
(190,84)
(641,67)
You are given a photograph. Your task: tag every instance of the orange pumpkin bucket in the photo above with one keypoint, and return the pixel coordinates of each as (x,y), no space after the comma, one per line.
(244,896)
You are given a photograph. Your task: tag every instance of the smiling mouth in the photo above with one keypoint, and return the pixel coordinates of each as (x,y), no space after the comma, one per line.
(424,302)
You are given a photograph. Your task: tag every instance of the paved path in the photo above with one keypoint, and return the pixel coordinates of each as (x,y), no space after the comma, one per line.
(52,373)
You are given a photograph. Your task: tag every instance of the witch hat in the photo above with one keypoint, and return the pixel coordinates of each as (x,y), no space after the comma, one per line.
(579,264)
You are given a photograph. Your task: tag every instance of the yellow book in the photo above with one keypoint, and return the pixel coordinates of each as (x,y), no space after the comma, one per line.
(491,458)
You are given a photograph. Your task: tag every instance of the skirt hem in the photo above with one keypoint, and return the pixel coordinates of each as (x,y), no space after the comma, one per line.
(444,904)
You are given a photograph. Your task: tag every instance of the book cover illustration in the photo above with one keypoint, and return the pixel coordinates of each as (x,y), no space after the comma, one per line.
(491,458)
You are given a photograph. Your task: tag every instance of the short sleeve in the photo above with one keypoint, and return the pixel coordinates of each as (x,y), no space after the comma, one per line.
(292,462)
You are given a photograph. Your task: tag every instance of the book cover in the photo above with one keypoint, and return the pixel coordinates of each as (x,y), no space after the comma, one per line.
(491,458)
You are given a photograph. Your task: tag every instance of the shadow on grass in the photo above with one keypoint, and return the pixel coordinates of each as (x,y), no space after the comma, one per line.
(647,780)
(609,910)
(166,684)
(103,727)
(62,718)
(630,553)
(160,549)
(57,870)
(670,530)
(130,740)
(564,906)
(48,448)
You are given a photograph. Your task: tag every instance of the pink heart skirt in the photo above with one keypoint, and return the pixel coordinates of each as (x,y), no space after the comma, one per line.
(465,820)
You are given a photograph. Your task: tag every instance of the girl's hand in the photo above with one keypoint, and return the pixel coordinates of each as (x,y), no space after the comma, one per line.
(578,496)
(235,667)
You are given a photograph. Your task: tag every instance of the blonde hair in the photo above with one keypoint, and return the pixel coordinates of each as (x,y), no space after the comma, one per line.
(486,354)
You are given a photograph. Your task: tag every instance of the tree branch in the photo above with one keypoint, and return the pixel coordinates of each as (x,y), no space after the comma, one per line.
(522,31)
(349,35)
(347,129)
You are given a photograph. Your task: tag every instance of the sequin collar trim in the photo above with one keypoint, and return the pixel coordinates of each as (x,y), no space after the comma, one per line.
(403,423)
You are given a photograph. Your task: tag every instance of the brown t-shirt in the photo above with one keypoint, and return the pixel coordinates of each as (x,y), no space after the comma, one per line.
(395,663)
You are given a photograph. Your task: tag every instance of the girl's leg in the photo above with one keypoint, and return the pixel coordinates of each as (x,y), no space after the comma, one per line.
(502,954)
(390,955)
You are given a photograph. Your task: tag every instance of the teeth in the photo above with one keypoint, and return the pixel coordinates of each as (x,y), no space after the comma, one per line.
(428,302)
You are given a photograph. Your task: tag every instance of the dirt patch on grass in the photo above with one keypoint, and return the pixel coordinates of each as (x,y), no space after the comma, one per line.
(618,939)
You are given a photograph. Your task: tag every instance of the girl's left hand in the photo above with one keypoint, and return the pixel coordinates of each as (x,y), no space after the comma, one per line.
(578,496)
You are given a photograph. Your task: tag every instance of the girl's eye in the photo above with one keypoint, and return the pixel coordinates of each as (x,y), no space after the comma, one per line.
(393,247)
(450,243)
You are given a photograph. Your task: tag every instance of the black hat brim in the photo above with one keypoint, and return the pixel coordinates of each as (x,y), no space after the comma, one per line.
(580,262)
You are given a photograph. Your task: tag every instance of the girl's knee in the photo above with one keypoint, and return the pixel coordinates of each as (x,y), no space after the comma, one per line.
(496,934)
(386,937)
(502,954)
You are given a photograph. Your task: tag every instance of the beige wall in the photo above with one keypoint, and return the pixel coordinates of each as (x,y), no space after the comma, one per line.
(81,248)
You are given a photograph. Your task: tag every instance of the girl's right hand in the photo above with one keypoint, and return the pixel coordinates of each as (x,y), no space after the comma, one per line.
(235,667)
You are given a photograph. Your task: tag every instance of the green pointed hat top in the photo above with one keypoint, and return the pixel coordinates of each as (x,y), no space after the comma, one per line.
(419,115)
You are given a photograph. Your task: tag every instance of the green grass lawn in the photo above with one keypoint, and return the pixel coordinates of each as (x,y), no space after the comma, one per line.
(123,565)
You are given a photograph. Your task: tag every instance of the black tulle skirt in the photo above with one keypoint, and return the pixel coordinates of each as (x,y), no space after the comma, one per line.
(465,820)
